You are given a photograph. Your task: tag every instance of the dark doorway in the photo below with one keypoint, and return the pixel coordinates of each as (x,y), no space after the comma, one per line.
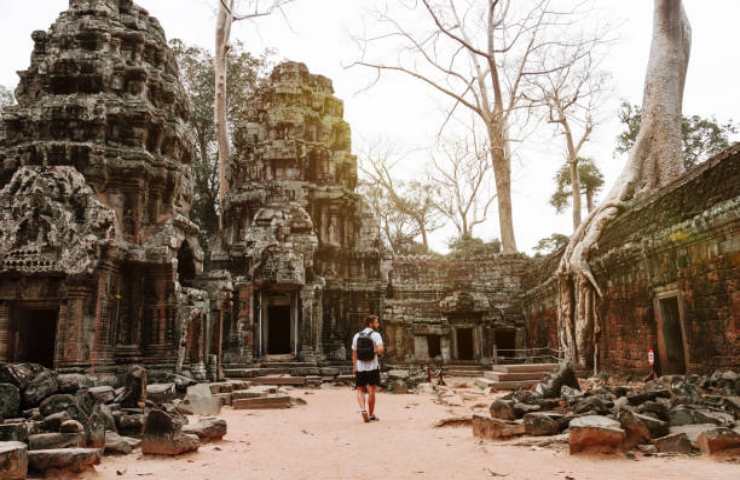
(278,342)
(186,265)
(672,357)
(505,343)
(37,333)
(465,349)
(434,346)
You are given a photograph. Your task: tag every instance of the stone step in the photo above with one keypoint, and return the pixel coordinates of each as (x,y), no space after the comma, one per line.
(463,373)
(510,385)
(287,365)
(279,380)
(526,368)
(263,403)
(507,377)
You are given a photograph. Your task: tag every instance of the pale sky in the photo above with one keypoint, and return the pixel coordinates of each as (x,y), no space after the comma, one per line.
(409,114)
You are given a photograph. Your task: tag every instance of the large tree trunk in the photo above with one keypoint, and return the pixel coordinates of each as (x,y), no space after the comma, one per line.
(575,181)
(223,33)
(501,159)
(654,161)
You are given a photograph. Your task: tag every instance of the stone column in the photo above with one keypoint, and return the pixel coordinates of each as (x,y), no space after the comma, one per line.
(307,335)
(70,328)
(102,351)
(4,331)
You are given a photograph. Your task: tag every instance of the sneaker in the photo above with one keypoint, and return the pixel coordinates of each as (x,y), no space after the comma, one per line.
(373,418)
(365,416)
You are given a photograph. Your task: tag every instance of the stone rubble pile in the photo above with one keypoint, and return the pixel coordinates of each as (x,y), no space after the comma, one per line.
(671,415)
(67,422)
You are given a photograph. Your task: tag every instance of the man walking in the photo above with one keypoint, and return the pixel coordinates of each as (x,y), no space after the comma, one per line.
(367,346)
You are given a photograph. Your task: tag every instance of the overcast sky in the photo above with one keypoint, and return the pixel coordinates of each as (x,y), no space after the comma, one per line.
(410,115)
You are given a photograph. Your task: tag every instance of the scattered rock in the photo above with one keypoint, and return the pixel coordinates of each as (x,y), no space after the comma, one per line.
(544,423)
(46,441)
(718,440)
(458,421)
(134,391)
(72,459)
(674,443)
(118,445)
(104,394)
(71,426)
(565,375)
(496,429)
(162,436)
(10,400)
(13,461)
(54,421)
(595,433)
(207,429)
(72,382)
(161,392)
(201,401)
(14,432)
(505,410)
(19,374)
(42,386)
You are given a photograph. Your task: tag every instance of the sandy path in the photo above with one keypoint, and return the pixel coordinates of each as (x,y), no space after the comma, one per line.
(327,440)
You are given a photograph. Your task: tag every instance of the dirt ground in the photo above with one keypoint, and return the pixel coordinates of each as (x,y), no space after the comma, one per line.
(327,440)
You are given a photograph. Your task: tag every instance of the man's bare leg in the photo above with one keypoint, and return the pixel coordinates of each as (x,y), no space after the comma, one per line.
(371,399)
(361,402)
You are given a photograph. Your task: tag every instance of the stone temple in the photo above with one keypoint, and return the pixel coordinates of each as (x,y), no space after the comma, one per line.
(101,266)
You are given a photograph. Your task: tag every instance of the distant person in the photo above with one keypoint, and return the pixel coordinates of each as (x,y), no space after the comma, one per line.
(367,346)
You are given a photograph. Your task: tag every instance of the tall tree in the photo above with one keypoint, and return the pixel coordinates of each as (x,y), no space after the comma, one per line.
(478,55)
(227,15)
(654,160)
(197,72)
(591,182)
(461,174)
(551,244)
(700,137)
(572,97)
(398,229)
(409,199)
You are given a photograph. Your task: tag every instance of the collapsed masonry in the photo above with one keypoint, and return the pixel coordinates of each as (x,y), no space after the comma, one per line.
(100,265)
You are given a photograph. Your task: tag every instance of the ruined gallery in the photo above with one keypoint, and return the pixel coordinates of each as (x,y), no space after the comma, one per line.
(101,267)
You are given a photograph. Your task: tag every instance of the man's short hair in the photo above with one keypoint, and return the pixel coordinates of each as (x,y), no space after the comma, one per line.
(371,318)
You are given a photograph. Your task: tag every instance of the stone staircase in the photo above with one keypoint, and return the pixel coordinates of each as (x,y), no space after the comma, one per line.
(515,376)
(465,370)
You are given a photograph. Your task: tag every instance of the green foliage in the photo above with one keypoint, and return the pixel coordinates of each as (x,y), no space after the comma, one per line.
(7,98)
(701,137)
(473,247)
(197,75)
(592,180)
(551,244)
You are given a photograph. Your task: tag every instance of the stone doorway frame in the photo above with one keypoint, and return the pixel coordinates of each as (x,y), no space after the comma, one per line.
(665,293)
(264,324)
(13,332)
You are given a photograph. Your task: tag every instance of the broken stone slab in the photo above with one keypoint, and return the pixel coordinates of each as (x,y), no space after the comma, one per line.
(596,404)
(42,386)
(61,402)
(551,387)
(207,429)
(687,415)
(162,436)
(115,444)
(162,392)
(129,423)
(254,392)
(544,423)
(47,441)
(13,461)
(14,432)
(10,400)
(201,401)
(71,426)
(640,428)
(72,382)
(263,403)
(595,434)
(496,429)
(638,398)
(456,421)
(674,443)
(71,459)
(134,392)
(505,410)
(53,422)
(718,440)
(19,374)
(104,394)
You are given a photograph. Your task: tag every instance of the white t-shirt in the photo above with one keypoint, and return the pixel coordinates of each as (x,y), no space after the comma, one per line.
(373,364)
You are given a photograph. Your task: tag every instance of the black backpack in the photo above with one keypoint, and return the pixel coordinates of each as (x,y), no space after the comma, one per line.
(365,347)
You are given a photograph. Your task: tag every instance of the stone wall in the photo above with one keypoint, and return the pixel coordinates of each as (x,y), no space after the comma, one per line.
(669,267)
(432,302)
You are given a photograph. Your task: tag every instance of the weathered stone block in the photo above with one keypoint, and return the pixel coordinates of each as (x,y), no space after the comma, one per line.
(13,461)
(207,429)
(673,443)
(72,459)
(10,400)
(718,440)
(594,433)
(496,429)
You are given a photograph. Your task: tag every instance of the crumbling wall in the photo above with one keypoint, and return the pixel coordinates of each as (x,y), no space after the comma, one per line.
(673,254)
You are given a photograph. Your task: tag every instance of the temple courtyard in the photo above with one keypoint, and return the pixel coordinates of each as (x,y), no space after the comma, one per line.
(326,439)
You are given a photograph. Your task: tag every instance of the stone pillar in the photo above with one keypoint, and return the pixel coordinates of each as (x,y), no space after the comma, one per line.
(241,335)
(102,351)
(4,332)
(70,328)
(307,333)
(161,310)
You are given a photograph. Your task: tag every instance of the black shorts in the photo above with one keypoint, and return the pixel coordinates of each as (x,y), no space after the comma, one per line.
(363,379)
